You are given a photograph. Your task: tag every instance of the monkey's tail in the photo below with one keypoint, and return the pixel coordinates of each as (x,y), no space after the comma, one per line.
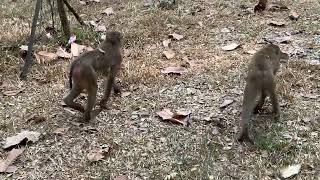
(70,75)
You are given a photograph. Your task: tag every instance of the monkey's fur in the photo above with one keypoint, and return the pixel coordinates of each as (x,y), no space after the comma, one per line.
(260,82)
(85,69)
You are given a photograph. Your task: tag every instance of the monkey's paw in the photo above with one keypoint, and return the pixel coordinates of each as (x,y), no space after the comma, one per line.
(244,137)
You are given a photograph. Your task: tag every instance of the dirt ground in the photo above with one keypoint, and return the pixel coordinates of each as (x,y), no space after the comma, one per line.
(142,146)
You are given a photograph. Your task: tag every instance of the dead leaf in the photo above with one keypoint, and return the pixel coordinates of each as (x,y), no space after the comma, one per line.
(277,6)
(36,119)
(121,177)
(13,154)
(174,70)
(231,47)
(200,23)
(13,92)
(96,155)
(176,36)
(166,42)
(293,16)
(89,49)
(226,103)
(169,54)
(44,56)
(91,23)
(11,169)
(125,94)
(284,39)
(22,136)
(180,117)
(63,54)
(101,28)
(261,6)
(82,2)
(276,23)
(108,11)
(99,153)
(77,49)
(89,129)
(60,131)
(290,171)
(24,48)
(97,1)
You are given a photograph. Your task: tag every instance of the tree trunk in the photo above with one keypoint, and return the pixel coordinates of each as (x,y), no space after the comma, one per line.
(28,62)
(64,19)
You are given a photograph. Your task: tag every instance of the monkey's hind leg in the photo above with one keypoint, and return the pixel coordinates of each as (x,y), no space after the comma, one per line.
(260,102)
(69,99)
(250,95)
(109,84)
(274,102)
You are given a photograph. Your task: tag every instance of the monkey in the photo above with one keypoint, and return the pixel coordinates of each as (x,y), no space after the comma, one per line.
(261,82)
(84,71)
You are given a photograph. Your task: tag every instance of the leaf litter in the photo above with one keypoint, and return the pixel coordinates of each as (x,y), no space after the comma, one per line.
(218,74)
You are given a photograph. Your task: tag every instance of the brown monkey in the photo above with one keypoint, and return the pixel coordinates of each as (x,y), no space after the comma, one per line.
(84,71)
(260,82)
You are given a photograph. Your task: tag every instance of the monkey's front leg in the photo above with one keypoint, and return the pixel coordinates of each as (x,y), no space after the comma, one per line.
(105,98)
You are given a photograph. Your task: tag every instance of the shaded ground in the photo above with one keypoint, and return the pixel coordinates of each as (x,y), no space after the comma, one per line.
(145,147)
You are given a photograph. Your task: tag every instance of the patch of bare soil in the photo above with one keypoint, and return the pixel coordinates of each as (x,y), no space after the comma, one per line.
(133,140)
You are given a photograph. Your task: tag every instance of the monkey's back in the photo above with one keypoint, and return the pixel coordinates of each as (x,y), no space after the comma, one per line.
(261,70)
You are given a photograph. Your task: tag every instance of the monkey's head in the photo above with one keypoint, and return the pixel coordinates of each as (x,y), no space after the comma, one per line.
(114,37)
(274,48)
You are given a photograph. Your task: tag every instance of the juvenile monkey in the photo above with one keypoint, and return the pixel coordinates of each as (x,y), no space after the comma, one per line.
(260,82)
(105,60)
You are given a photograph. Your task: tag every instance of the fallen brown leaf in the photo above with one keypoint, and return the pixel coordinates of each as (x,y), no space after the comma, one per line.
(63,54)
(169,54)
(13,92)
(180,117)
(125,94)
(174,70)
(293,16)
(226,103)
(60,131)
(176,36)
(45,57)
(276,23)
(5,164)
(290,171)
(108,11)
(100,28)
(77,49)
(22,136)
(231,47)
(166,42)
(95,155)
(121,177)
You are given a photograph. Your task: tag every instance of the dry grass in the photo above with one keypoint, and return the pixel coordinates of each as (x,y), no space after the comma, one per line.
(146,148)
